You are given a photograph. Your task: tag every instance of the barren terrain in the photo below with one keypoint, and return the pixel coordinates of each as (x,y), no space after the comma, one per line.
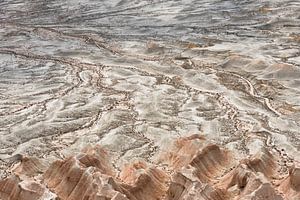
(149,99)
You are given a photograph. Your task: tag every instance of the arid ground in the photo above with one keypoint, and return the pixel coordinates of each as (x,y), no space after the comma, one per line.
(170,100)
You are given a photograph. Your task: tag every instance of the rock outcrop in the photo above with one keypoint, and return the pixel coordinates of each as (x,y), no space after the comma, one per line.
(291,184)
(192,169)
(143,182)
(13,188)
(30,167)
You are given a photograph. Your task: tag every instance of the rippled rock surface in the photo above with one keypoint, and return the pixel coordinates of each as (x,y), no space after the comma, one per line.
(199,98)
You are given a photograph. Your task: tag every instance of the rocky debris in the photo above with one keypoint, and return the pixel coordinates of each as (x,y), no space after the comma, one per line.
(210,173)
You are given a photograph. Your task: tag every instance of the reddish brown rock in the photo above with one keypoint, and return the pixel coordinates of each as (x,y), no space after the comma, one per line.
(143,182)
(86,176)
(243,183)
(30,166)
(209,162)
(291,184)
(96,157)
(263,162)
(182,151)
(194,171)
(184,188)
(13,188)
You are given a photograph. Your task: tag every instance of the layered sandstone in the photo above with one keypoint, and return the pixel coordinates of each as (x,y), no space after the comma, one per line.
(193,168)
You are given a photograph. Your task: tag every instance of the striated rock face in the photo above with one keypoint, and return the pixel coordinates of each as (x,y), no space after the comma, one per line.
(143,182)
(30,167)
(209,173)
(291,185)
(183,187)
(13,188)
(84,176)
(182,151)
(295,178)
(243,183)
(209,162)
(263,162)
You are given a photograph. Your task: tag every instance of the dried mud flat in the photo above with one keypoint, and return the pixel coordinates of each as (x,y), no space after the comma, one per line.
(148,100)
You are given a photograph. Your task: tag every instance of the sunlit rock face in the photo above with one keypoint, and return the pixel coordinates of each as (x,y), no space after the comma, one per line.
(142,100)
(212,174)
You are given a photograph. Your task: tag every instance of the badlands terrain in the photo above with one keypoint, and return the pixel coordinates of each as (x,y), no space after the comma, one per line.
(150,100)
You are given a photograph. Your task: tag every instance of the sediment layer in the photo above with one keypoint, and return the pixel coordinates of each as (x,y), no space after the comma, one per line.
(209,173)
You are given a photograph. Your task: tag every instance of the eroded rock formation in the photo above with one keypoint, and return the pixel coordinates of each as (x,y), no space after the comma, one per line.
(291,185)
(207,172)
(13,188)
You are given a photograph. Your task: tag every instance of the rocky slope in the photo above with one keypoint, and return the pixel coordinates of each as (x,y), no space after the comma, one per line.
(143,99)
(194,169)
